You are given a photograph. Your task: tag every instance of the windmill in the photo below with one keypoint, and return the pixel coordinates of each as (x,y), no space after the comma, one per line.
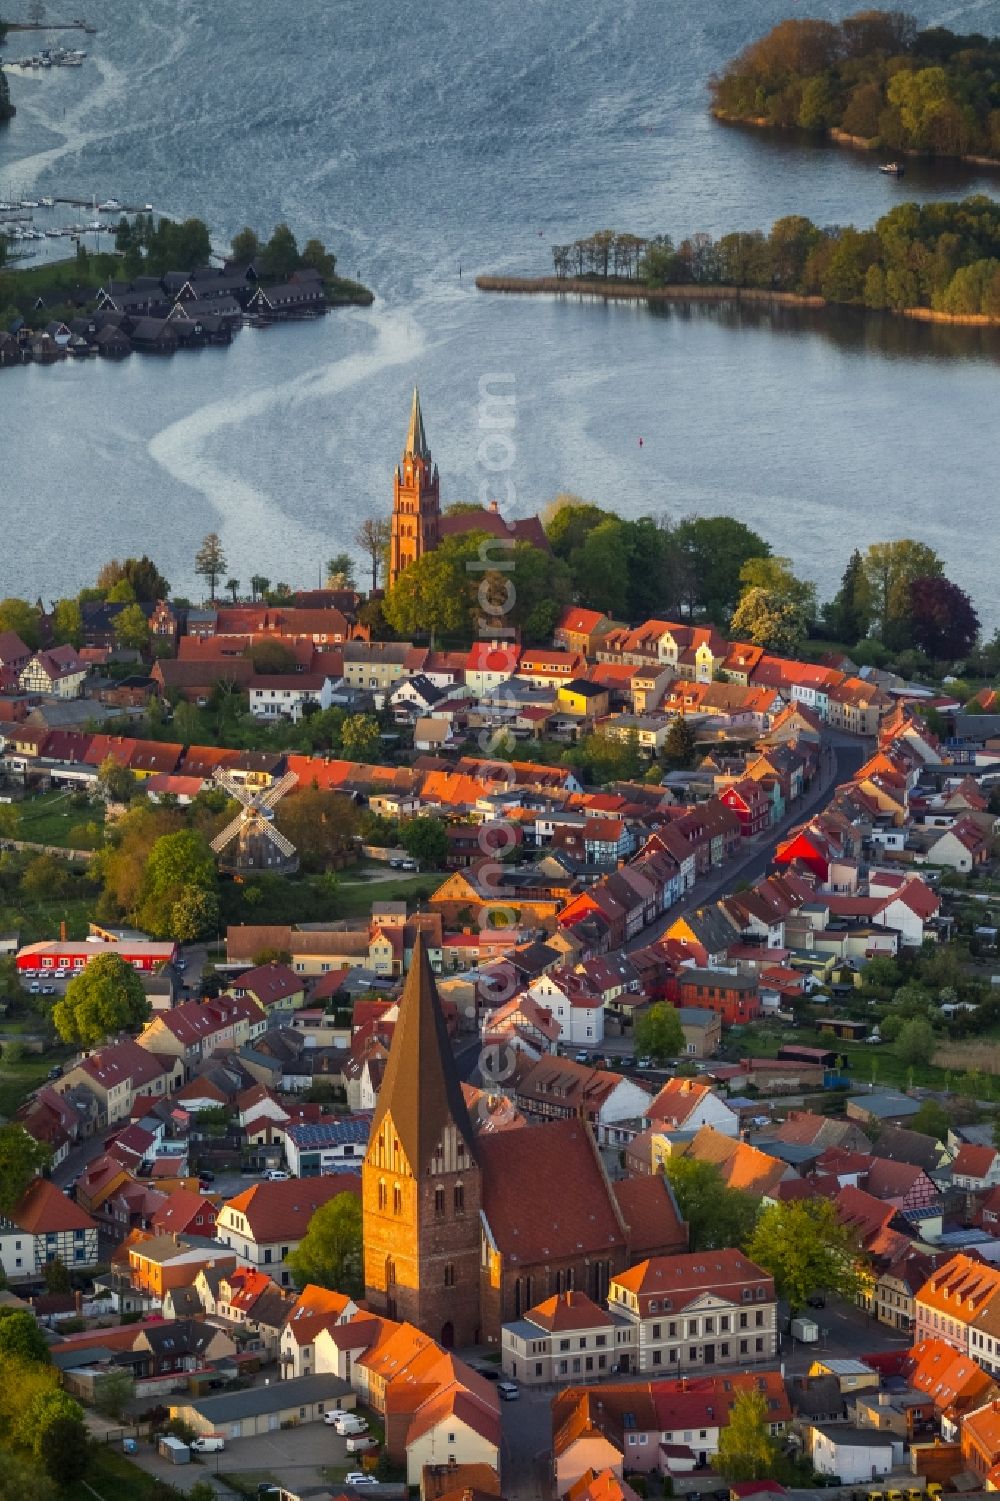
(251,842)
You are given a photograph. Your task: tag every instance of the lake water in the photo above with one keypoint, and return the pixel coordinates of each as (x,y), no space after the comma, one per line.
(421,139)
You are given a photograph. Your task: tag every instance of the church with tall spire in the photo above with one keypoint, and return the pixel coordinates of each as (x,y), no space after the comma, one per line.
(417,525)
(416,499)
(465,1227)
(420,1179)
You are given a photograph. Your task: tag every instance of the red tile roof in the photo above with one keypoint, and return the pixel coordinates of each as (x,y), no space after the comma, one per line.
(43,1208)
(282,1211)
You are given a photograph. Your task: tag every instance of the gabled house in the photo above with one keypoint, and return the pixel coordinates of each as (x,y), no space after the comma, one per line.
(46,1226)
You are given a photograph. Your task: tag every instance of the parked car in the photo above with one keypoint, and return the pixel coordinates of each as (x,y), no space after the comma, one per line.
(55,1072)
(508,1391)
(34,988)
(581,1057)
(48,990)
(60,973)
(209,1443)
(817,1300)
(358,1477)
(645,1063)
(206,1175)
(277,1175)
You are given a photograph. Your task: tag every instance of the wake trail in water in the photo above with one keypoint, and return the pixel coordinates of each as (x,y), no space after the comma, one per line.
(184,448)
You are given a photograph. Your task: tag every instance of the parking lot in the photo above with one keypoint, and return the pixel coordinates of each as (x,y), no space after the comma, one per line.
(297,1456)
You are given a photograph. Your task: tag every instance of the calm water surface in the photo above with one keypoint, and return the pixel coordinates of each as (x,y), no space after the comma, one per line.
(419,139)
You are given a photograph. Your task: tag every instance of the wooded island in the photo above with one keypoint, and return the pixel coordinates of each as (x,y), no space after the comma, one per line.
(873,78)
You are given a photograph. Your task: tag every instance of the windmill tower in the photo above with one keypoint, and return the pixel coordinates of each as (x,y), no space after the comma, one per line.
(251,842)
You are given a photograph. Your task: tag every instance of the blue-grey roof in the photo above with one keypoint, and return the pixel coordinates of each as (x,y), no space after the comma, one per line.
(881,1103)
(330,1133)
(72,1360)
(227,1407)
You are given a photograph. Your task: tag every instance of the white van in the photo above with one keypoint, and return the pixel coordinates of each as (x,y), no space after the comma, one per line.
(347,1424)
(277,1175)
(211,1443)
(361,1443)
(508,1391)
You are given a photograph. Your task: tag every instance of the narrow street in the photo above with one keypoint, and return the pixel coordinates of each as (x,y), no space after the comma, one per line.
(842,755)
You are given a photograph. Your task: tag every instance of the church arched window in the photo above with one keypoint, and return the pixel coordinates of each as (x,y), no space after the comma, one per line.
(383,1194)
(397,1199)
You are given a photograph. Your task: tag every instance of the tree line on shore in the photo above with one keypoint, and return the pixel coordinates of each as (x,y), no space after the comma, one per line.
(894,600)
(944,256)
(153,246)
(875,76)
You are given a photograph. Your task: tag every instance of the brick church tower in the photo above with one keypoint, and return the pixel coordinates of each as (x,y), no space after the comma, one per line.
(416,507)
(420,1183)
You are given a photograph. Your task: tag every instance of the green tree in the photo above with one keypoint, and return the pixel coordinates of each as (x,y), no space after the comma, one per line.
(233,586)
(316,257)
(776,576)
(102,1000)
(67,623)
(713,551)
(607,758)
(424,838)
(889,570)
(48,1407)
(360,736)
(112,1394)
(329,1254)
(146,581)
(18,616)
(56,1276)
(747,1450)
(806,1249)
(658,1032)
(340,571)
(372,537)
(46,876)
(245,245)
(64,1449)
(600,568)
(19,1478)
(272,658)
(22,1159)
(680,745)
(717,1216)
(915,1043)
(438,592)
(115,783)
(21,1337)
(280,256)
(849,612)
(931,1119)
(194,915)
(321,825)
(121,593)
(210,561)
(178,864)
(131,628)
(766,620)
(568,521)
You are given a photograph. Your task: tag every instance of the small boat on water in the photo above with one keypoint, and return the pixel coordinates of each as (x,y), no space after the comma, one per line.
(892,169)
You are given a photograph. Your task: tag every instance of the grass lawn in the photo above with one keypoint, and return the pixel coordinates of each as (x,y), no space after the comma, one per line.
(116,1478)
(18,1079)
(53,819)
(879,1066)
(38,920)
(354,898)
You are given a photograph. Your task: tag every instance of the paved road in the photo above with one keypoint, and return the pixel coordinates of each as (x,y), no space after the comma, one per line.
(842,755)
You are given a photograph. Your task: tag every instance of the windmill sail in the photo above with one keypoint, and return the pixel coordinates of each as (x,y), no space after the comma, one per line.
(250,842)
